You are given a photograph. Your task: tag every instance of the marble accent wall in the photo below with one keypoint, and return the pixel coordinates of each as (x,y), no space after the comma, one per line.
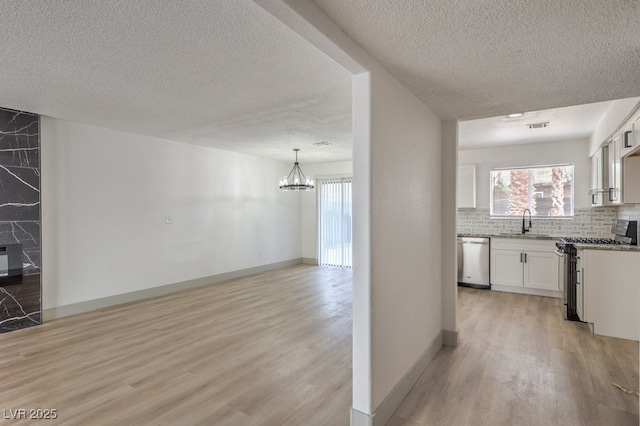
(20,259)
(587,222)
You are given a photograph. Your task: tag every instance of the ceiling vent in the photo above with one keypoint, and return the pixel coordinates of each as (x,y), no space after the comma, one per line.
(538,125)
(321,143)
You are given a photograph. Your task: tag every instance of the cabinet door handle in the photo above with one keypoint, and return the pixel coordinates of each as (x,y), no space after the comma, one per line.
(521,257)
(625,138)
(525,258)
(611,192)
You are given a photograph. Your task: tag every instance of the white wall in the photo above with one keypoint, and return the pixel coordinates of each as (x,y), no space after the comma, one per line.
(405,231)
(105,196)
(613,117)
(536,154)
(310,202)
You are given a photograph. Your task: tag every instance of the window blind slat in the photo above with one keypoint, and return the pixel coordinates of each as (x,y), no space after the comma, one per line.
(334,217)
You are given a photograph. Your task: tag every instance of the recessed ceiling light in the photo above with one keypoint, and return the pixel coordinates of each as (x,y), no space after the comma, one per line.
(516,115)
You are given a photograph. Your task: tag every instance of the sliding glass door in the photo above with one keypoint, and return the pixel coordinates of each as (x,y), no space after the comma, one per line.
(334,219)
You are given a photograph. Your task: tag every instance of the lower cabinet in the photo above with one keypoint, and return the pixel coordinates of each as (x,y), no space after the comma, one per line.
(507,267)
(610,292)
(524,266)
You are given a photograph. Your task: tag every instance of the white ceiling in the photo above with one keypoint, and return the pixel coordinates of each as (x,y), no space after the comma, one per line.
(481,58)
(564,123)
(219,73)
(228,75)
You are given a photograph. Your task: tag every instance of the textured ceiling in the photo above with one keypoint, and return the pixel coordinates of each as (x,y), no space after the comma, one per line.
(227,74)
(563,123)
(218,73)
(481,58)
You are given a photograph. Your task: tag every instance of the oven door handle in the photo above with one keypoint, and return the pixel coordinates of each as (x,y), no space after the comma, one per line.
(559,253)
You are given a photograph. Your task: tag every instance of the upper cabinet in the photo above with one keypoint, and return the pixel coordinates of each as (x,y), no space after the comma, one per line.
(606,174)
(467,186)
(597,179)
(630,179)
(631,135)
(615,167)
(630,161)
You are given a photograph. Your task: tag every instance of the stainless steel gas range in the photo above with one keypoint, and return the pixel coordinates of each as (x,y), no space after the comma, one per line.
(625,232)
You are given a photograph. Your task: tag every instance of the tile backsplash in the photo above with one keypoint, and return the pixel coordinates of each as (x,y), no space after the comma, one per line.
(587,222)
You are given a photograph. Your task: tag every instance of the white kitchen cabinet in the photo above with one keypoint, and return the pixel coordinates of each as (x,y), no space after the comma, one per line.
(631,179)
(540,270)
(631,135)
(506,267)
(597,179)
(467,186)
(524,266)
(614,166)
(611,292)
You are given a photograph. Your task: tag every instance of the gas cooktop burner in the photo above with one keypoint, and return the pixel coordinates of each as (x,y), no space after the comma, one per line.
(589,240)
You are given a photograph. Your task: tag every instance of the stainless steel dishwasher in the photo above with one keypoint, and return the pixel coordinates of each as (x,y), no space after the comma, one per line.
(473,262)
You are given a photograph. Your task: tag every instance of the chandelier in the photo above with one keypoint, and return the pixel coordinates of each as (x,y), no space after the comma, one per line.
(296,180)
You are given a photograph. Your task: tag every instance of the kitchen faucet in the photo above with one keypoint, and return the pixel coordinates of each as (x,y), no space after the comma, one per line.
(526,229)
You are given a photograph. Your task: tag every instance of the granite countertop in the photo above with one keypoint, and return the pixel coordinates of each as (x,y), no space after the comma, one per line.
(611,247)
(517,236)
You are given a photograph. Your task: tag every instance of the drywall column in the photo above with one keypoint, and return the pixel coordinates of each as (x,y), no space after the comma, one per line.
(449,233)
(406,285)
(362,373)
(397,160)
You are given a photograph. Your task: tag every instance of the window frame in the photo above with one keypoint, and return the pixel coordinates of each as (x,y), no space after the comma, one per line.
(492,215)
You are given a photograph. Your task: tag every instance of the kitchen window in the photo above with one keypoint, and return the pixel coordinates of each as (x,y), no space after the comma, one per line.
(547,191)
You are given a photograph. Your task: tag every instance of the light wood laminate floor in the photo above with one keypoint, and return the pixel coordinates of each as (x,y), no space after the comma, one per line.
(270,349)
(519,363)
(275,349)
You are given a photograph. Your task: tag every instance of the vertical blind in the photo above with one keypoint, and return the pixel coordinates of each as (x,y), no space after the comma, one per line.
(334,213)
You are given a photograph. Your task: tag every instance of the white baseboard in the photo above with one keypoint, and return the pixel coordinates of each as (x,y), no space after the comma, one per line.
(526,290)
(309,261)
(400,391)
(104,302)
(450,338)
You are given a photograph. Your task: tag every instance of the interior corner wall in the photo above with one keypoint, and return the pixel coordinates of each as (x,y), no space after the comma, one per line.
(406,285)
(449,231)
(107,198)
(310,203)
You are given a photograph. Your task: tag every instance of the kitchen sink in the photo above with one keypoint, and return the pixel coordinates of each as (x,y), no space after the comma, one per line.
(518,234)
